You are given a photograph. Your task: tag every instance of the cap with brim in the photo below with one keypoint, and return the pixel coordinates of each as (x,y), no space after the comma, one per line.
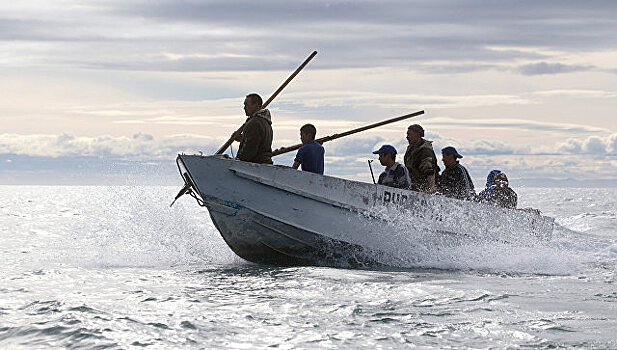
(386,149)
(451,150)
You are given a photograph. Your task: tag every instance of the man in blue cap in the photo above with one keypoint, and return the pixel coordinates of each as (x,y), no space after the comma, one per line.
(455,181)
(395,175)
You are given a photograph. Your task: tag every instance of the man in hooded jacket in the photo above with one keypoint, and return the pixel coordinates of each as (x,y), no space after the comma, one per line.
(498,191)
(256,137)
(420,160)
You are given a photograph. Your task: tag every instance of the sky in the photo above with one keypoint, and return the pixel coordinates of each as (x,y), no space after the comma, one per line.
(110,91)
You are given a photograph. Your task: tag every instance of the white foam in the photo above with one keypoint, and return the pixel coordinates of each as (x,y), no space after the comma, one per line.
(140,230)
(412,242)
(134,226)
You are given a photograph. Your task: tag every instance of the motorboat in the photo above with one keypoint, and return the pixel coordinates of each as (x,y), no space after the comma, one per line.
(277,215)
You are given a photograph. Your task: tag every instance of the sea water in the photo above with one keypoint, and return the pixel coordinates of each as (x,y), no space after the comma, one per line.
(115,267)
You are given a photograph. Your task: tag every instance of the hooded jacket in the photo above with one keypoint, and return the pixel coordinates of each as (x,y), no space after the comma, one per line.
(256,143)
(421,162)
(501,196)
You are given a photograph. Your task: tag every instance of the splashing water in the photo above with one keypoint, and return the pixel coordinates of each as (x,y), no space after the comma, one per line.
(134,226)
(411,241)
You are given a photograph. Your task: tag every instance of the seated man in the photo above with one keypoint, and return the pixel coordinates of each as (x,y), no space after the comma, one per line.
(455,181)
(497,191)
(488,191)
(503,195)
(395,175)
(311,155)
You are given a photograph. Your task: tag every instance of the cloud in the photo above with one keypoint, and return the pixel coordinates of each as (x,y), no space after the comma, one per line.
(595,144)
(330,98)
(520,124)
(455,67)
(551,68)
(591,145)
(576,93)
(143,146)
(170,35)
(573,146)
(138,147)
(612,144)
(112,159)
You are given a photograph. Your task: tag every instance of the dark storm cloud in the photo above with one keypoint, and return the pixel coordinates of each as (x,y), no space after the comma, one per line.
(350,33)
(551,68)
(47,30)
(459,24)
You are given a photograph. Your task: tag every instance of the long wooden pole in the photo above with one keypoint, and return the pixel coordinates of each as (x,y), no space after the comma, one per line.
(347,133)
(278,91)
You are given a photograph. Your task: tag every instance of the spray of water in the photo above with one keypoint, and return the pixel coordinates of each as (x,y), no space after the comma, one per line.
(134,227)
(410,240)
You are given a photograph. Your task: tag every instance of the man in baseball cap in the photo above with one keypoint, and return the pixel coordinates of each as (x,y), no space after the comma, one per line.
(395,175)
(455,180)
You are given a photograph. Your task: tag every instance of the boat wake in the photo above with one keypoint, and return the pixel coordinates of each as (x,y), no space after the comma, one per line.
(143,233)
(407,241)
(147,238)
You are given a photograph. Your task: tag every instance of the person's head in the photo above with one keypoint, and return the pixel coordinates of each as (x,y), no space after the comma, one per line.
(449,155)
(415,133)
(490,179)
(387,155)
(307,133)
(252,103)
(501,180)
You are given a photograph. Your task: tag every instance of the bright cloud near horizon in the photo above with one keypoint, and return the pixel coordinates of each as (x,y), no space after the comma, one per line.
(94,91)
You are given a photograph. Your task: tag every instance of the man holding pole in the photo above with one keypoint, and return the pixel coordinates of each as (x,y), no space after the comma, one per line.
(311,155)
(237,135)
(256,136)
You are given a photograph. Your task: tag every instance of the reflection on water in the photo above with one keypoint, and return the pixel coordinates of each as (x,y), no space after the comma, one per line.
(115,267)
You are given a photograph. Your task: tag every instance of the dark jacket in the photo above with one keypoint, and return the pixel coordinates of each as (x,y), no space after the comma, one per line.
(455,182)
(396,176)
(504,197)
(421,162)
(256,144)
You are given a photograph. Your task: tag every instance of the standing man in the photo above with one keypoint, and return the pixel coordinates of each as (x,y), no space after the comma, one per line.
(455,180)
(420,160)
(311,155)
(256,137)
(395,175)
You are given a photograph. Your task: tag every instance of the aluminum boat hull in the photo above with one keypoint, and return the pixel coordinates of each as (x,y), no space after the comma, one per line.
(280,216)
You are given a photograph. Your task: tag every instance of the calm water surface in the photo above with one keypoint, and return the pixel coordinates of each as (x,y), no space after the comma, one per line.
(115,267)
